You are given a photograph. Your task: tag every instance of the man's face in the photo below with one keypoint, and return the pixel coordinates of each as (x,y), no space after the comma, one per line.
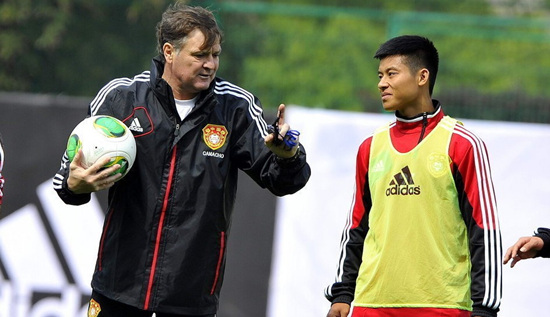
(190,70)
(398,86)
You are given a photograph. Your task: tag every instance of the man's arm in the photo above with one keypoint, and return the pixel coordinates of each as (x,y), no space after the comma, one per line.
(73,182)
(478,207)
(282,170)
(341,292)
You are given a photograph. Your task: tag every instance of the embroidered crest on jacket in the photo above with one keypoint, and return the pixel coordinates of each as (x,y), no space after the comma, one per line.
(94,308)
(214,135)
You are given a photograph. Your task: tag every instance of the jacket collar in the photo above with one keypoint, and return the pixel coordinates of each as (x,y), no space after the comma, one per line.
(421,123)
(418,118)
(159,85)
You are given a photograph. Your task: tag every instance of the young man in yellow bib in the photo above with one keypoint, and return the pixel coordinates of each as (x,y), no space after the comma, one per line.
(422,238)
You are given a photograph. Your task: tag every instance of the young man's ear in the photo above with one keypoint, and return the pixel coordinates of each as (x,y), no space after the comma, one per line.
(423,77)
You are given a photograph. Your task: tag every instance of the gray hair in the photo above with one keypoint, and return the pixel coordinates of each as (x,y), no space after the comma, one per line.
(180,19)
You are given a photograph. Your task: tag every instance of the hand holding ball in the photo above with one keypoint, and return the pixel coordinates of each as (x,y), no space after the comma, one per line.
(103,136)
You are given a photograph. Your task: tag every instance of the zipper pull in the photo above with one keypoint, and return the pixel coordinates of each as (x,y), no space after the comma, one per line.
(177,131)
(424,124)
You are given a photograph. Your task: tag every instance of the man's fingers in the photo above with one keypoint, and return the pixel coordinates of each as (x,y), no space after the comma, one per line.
(77,160)
(283,129)
(268,139)
(105,179)
(531,245)
(110,180)
(513,252)
(507,256)
(281,114)
(78,157)
(99,164)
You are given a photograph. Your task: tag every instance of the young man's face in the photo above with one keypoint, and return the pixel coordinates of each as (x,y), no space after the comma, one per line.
(399,87)
(190,70)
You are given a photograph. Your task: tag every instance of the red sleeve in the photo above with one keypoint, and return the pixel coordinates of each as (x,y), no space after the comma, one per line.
(470,159)
(362,199)
(476,197)
(354,233)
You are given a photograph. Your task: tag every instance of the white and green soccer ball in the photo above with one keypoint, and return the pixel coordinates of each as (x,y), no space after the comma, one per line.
(103,136)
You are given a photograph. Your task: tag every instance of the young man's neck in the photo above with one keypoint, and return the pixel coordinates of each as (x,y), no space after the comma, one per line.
(425,105)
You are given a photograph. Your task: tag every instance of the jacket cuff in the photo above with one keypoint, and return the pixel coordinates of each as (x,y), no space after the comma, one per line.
(71,198)
(295,162)
(544,234)
(287,160)
(342,299)
(484,312)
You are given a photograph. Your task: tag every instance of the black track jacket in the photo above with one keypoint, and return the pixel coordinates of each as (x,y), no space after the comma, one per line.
(163,243)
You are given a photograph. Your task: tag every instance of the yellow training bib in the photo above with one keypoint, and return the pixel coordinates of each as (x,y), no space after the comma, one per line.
(416,251)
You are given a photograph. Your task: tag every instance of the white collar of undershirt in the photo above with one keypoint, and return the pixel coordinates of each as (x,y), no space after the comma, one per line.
(185,106)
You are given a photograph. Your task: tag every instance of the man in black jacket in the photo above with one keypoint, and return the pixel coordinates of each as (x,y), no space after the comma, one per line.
(537,245)
(163,244)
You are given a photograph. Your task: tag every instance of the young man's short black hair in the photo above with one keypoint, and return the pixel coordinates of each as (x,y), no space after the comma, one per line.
(419,51)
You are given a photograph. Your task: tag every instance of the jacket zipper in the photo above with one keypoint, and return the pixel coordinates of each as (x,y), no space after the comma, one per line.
(159,229)
(424,125)
(219,265)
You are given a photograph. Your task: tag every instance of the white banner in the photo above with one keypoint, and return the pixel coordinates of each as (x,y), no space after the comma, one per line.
(37,284)
(310,222)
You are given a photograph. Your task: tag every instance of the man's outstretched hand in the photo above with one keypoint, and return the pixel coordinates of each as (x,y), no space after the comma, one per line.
(287,143)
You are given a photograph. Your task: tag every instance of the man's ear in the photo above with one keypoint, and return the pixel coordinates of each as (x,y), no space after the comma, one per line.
(423,77)
(168,50)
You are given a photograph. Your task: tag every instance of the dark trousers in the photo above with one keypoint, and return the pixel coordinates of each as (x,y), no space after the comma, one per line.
(110,308)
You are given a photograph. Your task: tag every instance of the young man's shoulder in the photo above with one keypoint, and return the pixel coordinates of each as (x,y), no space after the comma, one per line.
(363,152)
(463,134)
(466,145)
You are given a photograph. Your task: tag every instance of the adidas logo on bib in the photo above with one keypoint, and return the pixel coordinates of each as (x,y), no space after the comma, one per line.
(403,184)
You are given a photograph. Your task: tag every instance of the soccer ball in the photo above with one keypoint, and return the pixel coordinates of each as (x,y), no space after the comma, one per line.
(103,136)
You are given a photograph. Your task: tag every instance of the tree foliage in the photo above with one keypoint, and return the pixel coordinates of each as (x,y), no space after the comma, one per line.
(74,47)
(325,64)
(490,66)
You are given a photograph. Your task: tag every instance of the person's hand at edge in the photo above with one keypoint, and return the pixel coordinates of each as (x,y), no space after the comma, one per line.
(524,248)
